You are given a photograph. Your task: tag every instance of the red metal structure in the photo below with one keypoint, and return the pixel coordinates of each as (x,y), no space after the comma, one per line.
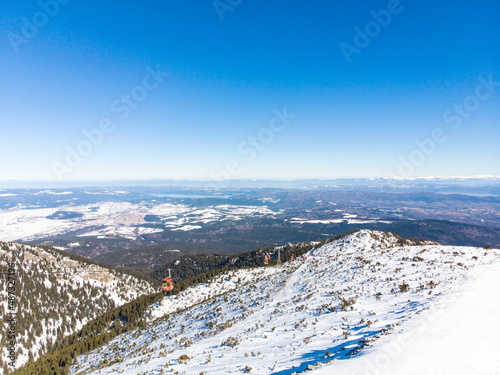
(167,283)
(267,258)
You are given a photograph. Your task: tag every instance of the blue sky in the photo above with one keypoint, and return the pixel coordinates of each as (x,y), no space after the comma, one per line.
(225,73)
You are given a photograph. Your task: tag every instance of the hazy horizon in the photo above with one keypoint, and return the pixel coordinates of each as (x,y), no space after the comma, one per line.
(243,183)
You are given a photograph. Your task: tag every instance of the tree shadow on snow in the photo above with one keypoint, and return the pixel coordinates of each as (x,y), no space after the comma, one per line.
(339,351)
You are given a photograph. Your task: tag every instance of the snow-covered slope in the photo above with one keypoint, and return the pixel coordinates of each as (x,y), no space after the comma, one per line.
(458,335)
(55,294)
(326,309)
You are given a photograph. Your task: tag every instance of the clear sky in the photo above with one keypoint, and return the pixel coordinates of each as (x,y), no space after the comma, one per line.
(248,89)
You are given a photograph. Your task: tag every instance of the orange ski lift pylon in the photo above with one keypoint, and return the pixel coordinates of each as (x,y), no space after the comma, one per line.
(167,283)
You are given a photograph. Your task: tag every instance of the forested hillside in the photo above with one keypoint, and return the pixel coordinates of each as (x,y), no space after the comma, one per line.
(55,294)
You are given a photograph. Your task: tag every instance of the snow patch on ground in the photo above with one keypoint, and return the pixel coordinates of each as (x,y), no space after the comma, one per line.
(126,232)
(186,228)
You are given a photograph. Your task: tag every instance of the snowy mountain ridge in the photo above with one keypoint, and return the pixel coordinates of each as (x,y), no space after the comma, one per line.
(329,305)
(56,294)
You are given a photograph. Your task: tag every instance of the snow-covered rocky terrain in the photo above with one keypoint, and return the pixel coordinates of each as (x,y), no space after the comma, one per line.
(338,304)
(55,294)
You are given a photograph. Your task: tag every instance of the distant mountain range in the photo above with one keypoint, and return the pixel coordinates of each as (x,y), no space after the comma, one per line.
(245,183)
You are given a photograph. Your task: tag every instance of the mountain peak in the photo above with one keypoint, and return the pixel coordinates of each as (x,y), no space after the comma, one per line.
(367,239)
